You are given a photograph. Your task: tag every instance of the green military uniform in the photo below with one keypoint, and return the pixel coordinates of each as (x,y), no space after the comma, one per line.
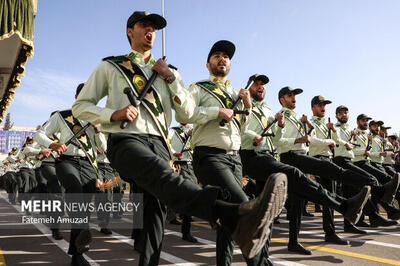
(73,168)
(140,152)
(216,159)
(48,171)
(11,177)
(388,161)
(296,155)
(259,162)
(320,149)
(364,162)
(27,168)
(344,158)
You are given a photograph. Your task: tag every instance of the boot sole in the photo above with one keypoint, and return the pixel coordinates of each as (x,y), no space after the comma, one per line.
(253,230)
(354,220)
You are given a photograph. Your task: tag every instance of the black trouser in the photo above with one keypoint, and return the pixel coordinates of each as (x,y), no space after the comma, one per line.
(77,176)
(144,160)
(28,182)
(188,173)
(11,185)
(389,168)
(41,182)
(104,196)
(382,176)
(381,168)
(326,169)
(259,165)
(349,191)
(214,167)
(328,218)
(48,170)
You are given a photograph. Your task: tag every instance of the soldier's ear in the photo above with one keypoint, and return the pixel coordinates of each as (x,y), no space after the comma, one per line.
(208,66)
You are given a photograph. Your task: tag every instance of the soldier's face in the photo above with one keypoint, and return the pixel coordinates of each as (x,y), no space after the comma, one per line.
(319,109)
(219,64)
(343,116)
(362,124)
(142,35)
(289,101)
(382,132)
(374,129)
(257,90)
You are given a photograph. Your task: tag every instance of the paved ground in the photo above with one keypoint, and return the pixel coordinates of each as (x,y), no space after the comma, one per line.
(28,244)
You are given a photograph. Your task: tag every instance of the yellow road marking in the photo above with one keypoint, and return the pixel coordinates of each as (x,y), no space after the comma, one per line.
(2,260)
(330,250)
(345,253)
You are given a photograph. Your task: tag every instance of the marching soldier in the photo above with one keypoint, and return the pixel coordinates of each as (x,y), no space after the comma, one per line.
(395,144)
(54,189)
(180,145)
(322,148)
(141,151)
(259,161)
(76,169)
(362,159)
(344,158)
(27,167)
(293,150)
(11,178)
(216,159)
(388,161)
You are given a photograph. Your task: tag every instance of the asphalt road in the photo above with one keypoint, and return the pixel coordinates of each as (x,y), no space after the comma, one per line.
(27,244)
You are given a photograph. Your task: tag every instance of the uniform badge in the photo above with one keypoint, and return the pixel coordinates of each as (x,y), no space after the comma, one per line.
(264,121)
(76,129)
(140,82)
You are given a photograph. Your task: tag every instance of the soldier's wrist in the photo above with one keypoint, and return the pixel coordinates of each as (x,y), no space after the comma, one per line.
(170,78)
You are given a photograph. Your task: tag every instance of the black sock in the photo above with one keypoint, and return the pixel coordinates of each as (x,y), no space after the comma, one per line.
(227,213)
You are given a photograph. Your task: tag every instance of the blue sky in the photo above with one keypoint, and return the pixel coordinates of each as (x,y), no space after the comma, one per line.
(347,51)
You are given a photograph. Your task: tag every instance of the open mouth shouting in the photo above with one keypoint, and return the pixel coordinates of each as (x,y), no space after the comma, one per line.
(149,37)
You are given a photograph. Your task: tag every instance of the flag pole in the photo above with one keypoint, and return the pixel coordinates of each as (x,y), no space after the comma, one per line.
(163,30)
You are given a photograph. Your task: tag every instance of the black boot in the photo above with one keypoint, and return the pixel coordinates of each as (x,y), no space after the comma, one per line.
(377,220)
(79,260)
(298,248)
(249,222)
(56,234)
(353,229)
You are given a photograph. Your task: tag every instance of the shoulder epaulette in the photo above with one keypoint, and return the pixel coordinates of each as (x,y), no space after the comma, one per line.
(203,81)
(119,57)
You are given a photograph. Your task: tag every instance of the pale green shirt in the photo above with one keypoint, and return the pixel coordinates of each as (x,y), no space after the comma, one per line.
(106,80)
(343,135)
(13,166)
(293,129)
(28,155)
(388,159)
(207,130)
(320,142)
(376,149)
(256,128)
(56,124)
(362,140)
